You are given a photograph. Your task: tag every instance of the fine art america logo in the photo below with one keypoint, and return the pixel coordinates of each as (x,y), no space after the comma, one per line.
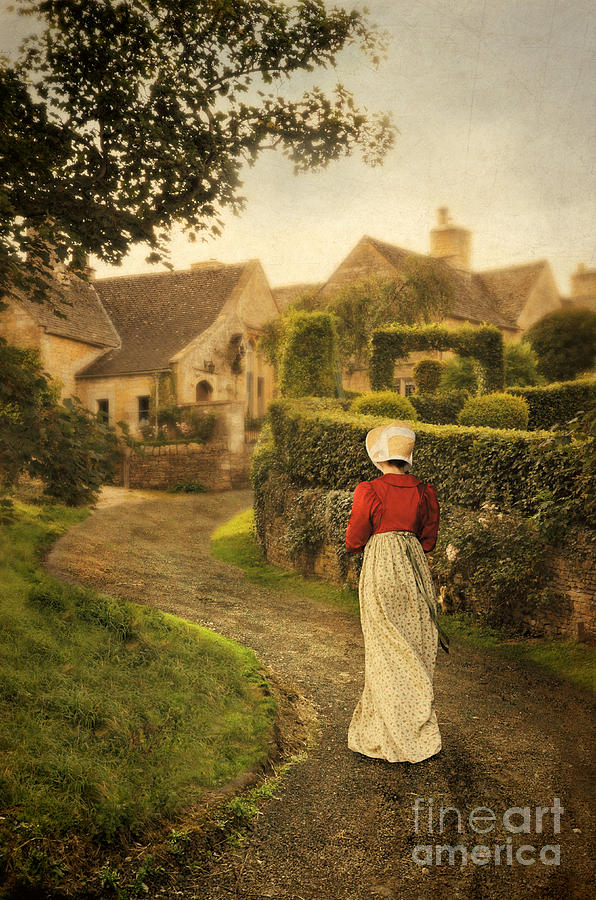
(483,820)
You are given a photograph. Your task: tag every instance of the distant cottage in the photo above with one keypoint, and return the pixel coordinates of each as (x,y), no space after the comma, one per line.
(116,337)
(512,298)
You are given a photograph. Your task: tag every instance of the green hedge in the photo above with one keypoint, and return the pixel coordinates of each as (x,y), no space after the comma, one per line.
(427,375)
(395,342)
(384,403)
(557,403)
(513,469)
(441,408)
(497,410)
(308,359)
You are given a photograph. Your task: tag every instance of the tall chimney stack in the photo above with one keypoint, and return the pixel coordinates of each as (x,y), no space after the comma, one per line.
(451,242)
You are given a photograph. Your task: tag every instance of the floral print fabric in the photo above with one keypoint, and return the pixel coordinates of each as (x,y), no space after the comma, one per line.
(395,718)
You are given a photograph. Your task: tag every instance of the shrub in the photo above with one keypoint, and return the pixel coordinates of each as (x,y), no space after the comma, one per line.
(308,358)
(441,408)
(495,411)
(466,465)
(388,404)
(189,487)
(77,454)
(557,403)
(392,342)
(460,374)
(521,364)
(427,375)
(564,342)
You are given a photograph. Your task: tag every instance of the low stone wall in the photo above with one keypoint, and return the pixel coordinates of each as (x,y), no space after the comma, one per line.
(572,572)
(166,465)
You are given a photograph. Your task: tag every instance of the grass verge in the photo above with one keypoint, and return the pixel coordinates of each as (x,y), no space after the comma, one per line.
(235,542)
(113,716)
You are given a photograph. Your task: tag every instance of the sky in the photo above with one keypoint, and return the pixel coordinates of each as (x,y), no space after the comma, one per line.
(496,110)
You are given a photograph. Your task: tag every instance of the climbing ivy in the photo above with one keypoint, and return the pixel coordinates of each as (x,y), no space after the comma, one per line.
(394,342)
(308,358)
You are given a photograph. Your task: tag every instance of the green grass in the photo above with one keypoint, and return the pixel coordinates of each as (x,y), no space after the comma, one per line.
(235,542)
(112,715)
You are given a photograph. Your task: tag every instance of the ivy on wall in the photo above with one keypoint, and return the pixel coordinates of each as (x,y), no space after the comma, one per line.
(393,342)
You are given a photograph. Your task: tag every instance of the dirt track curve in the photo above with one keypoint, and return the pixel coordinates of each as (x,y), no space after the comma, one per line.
(341,827)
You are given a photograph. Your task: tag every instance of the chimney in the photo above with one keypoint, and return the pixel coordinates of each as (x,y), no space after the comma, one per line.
(451,242)
(583,281)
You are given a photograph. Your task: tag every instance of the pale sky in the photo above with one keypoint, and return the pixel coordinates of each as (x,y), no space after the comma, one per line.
(495,101)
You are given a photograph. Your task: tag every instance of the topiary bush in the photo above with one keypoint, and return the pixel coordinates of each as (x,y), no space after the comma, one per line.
(427,375)
(557,403)
(388,404)
(497,410)
(564,342)
(308,357)
(441,408)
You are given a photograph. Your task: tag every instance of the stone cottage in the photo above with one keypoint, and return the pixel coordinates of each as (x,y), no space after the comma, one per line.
(512,298)
(116,338)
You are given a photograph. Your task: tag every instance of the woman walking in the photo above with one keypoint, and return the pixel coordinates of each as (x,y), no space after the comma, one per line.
(395,518)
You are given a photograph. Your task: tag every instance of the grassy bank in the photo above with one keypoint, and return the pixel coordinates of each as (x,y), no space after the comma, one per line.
(235,542)
(113,716)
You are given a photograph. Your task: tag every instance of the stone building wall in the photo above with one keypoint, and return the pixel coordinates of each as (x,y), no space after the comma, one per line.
(572,572)
(166,465)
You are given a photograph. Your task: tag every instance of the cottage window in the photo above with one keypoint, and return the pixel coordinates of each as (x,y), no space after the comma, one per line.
(204,391)
(144,410)
(410,388)
(260,395)
(103,411)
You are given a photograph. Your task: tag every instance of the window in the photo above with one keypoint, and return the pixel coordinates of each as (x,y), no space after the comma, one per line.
(410,388)
(144,410)
(260,395)
(103,411)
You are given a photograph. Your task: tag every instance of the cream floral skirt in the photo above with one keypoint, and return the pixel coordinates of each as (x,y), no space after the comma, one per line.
(395,717)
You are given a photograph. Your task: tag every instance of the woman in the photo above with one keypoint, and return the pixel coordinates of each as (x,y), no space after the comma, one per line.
(395,518)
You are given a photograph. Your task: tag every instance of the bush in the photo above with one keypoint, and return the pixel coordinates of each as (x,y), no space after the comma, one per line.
(308,358)
(189,487)
(521,365)
(388,404)
(441,408)
(557,403)
(460,374)
(467,465)
(495,411)
(564,342)
(427,375)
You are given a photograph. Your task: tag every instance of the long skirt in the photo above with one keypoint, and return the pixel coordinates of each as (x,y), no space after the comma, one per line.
(395,718)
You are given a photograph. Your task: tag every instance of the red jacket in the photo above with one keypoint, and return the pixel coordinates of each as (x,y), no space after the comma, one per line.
(393,504)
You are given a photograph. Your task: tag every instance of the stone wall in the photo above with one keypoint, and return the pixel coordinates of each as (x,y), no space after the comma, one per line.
(167,465)
(572,572)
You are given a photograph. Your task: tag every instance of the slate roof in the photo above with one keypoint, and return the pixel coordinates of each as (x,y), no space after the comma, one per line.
(510,286)
(84,317)
(287,293)
(473,300)
(158,314)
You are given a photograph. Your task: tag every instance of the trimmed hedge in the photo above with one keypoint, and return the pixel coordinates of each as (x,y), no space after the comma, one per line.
(389,404)
(396,341)
(441,408)
(495,411)
(557,403)
(307,365)
(468,466)
(427,375)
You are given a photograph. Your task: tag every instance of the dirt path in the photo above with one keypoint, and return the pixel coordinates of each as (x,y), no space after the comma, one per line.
(342,825)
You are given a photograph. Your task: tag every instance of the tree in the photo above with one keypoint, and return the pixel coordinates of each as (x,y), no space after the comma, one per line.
(564,342)
(124,117)
(520,365)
